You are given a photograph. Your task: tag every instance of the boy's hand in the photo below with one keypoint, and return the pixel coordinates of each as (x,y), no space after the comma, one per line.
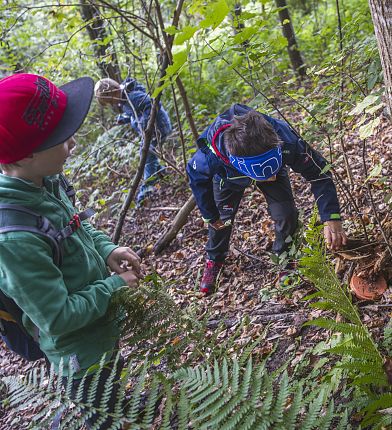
(130,278)
(122,257)
(219,224)
(334,234)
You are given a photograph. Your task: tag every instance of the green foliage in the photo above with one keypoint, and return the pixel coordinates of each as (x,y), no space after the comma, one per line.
(226,395)
(151,321)
(361,357)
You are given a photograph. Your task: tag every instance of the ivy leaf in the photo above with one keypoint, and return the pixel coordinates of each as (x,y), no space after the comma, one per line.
(368,129)
(179,59)
(326,168)
(388,199)
(171,30)
(374,109)
(215,13)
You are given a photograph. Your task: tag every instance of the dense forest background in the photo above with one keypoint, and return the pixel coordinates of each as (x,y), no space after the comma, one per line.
(246,357)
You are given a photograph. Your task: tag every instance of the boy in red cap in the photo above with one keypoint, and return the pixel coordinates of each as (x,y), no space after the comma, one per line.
(67,303)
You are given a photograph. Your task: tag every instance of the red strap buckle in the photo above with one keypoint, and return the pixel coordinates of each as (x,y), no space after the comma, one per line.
(75,222)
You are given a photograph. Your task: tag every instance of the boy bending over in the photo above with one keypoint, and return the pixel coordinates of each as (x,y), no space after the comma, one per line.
(130,98)
(242,147)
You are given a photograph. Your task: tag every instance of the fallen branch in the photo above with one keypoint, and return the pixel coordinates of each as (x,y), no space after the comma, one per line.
(163,208)
(178,222)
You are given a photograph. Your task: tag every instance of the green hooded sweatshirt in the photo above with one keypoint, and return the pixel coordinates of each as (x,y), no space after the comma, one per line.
(67,303)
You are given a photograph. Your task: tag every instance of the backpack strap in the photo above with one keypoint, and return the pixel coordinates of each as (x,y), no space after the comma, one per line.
(73,224)
(68,188)
(18,218)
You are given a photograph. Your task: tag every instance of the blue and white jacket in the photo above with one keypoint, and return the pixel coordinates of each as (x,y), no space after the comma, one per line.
(136,108)
(206,165)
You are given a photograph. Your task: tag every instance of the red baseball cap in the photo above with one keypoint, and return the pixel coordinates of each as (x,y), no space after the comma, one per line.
(35,114)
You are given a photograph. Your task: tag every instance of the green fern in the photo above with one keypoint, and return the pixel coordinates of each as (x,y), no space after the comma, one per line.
(361,357)
(248,398)
(387,344)
(226,396)
(316,266)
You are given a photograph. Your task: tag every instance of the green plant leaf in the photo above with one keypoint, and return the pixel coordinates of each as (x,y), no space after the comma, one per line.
(367,130)
(215,13)
(185,34)
(366,102)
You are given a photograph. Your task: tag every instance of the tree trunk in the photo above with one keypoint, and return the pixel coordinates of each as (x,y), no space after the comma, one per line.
(288,32)
(382,19)
(97,32)
(147,135)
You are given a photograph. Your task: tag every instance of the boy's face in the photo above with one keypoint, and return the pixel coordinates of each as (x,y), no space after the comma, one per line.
(110,98)
(51,161)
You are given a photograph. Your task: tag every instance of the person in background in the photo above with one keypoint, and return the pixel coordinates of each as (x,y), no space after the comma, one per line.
(243,147)
(130,98)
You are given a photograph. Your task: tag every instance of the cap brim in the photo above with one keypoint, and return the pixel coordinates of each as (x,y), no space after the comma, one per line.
(79,96)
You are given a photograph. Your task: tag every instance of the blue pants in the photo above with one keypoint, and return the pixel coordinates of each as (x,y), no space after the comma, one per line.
(281,208)
(151,167)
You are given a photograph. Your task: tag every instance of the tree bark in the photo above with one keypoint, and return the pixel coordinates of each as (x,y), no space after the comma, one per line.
(97,32)
(381,11)
(288,32)
(188,111)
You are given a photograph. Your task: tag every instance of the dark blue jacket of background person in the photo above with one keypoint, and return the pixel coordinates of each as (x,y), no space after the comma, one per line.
(136,108)
(205,166)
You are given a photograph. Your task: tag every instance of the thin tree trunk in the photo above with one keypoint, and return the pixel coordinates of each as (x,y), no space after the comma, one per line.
(188,111)
(288,32)
(139,173)
(97,33)
(147,136)
(382,19)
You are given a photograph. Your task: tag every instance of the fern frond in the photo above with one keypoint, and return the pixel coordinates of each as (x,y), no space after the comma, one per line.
(312,417)
(317,267)
(290,416)
(281,399)
(226,397)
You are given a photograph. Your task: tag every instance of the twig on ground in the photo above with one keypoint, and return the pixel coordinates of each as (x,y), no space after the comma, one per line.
(253,257)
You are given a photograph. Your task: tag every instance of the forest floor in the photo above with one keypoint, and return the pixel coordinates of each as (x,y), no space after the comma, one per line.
(248,283)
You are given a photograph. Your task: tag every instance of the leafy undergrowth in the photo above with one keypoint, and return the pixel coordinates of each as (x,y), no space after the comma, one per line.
(247,286)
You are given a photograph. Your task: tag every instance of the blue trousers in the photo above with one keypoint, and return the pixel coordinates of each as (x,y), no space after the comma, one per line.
(151,167)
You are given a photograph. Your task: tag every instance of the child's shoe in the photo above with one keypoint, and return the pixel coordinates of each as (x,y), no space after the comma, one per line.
(210,275)
(145,193)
